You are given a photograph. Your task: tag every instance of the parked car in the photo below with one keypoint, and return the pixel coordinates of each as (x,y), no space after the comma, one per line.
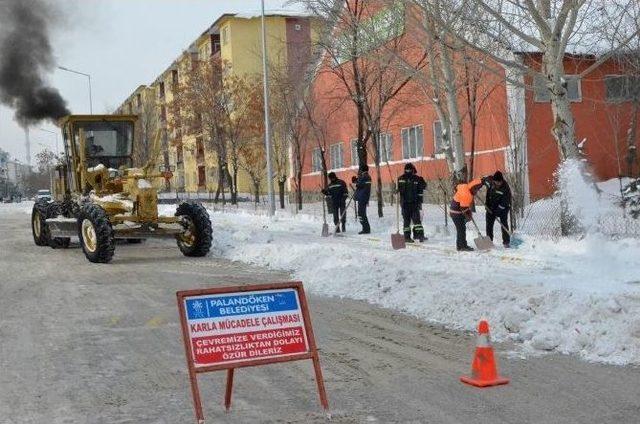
(43,195)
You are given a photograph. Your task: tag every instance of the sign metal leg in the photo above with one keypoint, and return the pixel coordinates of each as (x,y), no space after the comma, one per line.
(227,395)
(320,382)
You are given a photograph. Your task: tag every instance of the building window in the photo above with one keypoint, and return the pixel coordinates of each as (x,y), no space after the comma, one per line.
(298,27)
(163,113)
(355,160)
(438,137)
(412,142)
(179,154)
(225,35)
(174,77)
(335,153)
(385,147)
(622,88)
(138,100)
(161,88)
(316,160)
(202,176)
(199,149)
(215,43)
(542,94)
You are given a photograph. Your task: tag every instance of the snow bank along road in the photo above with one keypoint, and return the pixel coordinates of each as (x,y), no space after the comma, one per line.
(81,343)
(576,297)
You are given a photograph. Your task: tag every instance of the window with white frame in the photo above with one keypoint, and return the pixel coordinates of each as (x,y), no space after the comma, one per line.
(355,160)
(316,160)
(413,142)
(541,92)
(335,153)
(438,137)
(622,88)
(385,147)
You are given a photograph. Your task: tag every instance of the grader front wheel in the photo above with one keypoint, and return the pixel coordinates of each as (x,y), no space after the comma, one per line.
(96,234)
(197,236)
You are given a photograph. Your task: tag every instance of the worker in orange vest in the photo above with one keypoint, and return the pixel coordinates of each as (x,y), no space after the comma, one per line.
(460,210)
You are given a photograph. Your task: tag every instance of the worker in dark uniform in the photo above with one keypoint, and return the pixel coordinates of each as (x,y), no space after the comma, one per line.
(498,204)
(460,211)
(411,189)
(362,195)
(338,192)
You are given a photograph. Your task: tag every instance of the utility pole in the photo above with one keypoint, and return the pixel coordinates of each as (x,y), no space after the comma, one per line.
(86,75)
(267,124)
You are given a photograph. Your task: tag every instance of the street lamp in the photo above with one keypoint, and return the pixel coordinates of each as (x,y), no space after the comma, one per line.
(267,124)
(86,75)
(56,135)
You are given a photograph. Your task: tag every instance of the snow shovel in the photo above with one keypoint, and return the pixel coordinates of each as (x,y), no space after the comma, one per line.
(397,239)
(325,226)
(482,242)
(515,240)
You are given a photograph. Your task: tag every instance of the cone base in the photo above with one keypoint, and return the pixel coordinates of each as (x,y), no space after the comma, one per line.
(484,383)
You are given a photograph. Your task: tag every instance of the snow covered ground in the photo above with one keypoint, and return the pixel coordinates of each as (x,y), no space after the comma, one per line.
(578,297)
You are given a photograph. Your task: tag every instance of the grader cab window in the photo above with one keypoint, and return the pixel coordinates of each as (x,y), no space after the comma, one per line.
(108,143)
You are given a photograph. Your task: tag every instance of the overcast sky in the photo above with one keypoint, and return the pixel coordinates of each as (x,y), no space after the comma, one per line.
(122,44)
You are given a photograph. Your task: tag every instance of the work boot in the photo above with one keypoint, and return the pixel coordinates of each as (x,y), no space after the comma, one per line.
(420,238)
(506,245)
(337,229)
(465,249)
(408,239)
(365,232)
(344,227)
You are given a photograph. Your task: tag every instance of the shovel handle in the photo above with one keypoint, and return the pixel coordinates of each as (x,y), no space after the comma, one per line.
(397,214)
(476,225)
(500,222)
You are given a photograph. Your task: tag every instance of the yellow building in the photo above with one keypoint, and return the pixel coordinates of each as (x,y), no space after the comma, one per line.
(237,40)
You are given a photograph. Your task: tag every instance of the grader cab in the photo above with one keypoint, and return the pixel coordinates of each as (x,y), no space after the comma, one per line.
(100,197)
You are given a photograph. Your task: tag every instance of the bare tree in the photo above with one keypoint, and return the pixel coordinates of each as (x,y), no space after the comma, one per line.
(146,128)
(550,28)
(625,88)
(220,109)
(362,54)
(195,110)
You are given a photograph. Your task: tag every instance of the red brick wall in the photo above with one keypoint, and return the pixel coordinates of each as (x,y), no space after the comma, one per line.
(412,108)
(602,123)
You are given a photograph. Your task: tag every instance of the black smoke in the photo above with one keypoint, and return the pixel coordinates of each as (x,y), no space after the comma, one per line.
(25,57)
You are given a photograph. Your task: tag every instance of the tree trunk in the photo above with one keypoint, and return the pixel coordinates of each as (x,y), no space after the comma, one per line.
(299,188)
(632,150)
(457,139)
(256,191)
(376,152)
(281,183)
(234,188)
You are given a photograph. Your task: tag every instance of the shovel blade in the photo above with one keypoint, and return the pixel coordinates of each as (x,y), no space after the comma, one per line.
(325,230)
(483,243)
(398,242)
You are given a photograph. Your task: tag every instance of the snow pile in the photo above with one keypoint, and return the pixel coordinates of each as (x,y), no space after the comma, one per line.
(577,297)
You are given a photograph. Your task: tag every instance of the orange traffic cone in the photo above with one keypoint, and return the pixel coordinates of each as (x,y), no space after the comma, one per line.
(484,371)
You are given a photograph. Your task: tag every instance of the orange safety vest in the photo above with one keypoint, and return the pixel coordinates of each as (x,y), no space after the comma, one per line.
(463,197)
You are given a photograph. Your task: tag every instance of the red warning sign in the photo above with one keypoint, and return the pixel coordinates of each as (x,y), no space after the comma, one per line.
(232,327)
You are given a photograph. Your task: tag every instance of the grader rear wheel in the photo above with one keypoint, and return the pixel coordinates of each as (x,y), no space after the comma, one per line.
(196,239)
(38,225)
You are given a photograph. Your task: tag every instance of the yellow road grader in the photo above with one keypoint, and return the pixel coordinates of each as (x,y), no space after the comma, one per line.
(100,197)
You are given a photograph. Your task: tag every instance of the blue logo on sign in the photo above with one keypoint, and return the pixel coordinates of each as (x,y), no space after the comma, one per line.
(246,304)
